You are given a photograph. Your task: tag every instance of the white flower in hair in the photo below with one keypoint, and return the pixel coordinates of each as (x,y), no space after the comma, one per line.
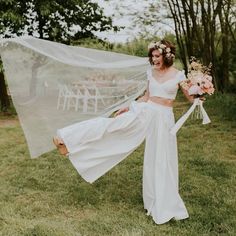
(160,50)
(162,46)
(168,54)
(168,50)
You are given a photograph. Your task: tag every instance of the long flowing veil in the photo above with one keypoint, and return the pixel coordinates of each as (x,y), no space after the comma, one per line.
(53,85)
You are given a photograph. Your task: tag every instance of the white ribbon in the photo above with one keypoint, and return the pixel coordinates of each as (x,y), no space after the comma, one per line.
(180,122)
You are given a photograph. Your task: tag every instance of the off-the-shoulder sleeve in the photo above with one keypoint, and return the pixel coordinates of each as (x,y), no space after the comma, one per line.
(181,76)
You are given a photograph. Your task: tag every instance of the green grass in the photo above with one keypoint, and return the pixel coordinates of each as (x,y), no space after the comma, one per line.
(47,197)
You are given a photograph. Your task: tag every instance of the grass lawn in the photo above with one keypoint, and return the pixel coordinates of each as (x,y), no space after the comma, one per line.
(46,196)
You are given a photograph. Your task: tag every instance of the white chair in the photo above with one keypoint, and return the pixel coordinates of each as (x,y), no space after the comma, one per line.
(93,95)
(68,98)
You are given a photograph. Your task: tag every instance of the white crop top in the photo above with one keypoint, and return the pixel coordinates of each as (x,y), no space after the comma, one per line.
(167,89)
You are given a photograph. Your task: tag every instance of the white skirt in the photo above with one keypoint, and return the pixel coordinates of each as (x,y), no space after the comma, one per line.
(97,145)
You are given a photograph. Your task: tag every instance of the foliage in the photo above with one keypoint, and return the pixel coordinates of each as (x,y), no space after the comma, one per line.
(54,20)
(47,197)
(146,19)
(95,43)
(204,29)
(12,17)
(136,47)
(223,105)
(4,99)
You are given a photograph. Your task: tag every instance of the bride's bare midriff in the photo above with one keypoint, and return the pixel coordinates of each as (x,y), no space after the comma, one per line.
(162,101)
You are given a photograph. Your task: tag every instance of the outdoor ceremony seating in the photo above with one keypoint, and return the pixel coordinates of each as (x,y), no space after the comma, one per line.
(89,96)
(68,98)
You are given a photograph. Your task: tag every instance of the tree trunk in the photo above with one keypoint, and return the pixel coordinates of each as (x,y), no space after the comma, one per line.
(178,32)
(41,22)
(5,102)
(224,80)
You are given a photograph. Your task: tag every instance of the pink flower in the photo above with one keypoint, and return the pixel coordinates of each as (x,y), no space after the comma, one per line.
(210,91)
(208,77)
(195,89)
(205,83)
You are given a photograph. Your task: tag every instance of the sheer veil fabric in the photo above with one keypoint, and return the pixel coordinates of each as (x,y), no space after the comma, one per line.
(53,85)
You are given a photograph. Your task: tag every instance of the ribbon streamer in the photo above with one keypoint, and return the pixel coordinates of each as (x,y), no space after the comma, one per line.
(180,122)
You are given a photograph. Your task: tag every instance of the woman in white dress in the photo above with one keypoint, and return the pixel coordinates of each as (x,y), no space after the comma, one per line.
(96,145)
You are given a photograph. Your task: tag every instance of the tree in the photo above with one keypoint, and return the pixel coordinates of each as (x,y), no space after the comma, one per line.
(56,20)
(4,99)
(147,19)
(204,28)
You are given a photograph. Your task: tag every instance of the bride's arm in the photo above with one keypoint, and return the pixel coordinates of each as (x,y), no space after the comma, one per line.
(144,98)
(189,97)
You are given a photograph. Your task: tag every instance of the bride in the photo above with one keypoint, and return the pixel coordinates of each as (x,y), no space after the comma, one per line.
(96,145)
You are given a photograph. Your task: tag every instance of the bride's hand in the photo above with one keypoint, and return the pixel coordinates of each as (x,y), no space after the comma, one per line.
(122,110)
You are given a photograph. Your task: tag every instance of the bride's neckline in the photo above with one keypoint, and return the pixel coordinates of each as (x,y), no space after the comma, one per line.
(161,76)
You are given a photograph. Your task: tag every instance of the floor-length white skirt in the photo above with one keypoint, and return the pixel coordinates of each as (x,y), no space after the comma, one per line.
(97,145)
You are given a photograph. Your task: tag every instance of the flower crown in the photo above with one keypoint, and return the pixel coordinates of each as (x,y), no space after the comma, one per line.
(162,48)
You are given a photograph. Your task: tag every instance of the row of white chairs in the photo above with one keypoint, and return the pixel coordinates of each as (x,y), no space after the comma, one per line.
(84,95)
(79,97)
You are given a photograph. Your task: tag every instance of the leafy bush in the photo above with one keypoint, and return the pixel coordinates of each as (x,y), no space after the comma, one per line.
(222,105)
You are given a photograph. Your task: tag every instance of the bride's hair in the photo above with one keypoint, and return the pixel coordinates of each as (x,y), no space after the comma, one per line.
(167,50)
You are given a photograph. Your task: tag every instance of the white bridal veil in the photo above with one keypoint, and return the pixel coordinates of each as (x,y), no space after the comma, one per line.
(53,85)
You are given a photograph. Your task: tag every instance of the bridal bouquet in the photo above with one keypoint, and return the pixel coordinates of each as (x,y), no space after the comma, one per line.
(198,83)
(199,80)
